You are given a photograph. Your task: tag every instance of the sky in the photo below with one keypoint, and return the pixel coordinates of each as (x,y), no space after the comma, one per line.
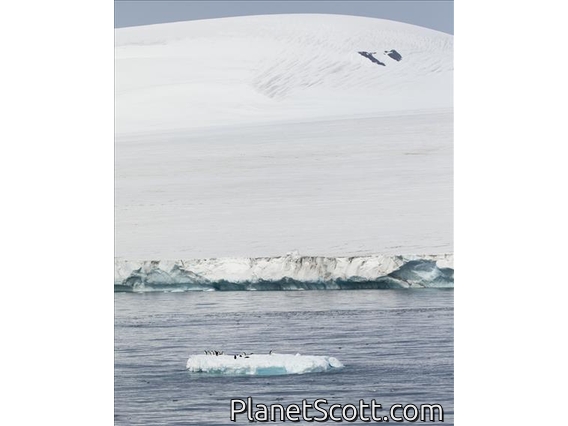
(438,15)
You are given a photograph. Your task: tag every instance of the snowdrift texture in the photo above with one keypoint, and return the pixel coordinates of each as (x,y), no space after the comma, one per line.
(262,365)
(275,67)
(291,272)
(256,136)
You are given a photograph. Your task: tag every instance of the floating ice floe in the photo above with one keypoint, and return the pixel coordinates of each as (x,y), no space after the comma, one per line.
(261,365)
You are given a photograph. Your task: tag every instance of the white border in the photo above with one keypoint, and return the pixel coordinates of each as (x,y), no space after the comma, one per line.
(510,212)
(57,212)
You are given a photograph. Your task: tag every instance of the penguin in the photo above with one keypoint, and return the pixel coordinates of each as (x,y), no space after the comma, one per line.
(234,356)
(270,352)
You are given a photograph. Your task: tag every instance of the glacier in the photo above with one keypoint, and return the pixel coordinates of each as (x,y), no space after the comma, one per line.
(250,137)
(290,272)
(261,365)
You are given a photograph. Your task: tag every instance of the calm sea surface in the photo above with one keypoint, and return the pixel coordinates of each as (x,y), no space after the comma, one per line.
(396,345)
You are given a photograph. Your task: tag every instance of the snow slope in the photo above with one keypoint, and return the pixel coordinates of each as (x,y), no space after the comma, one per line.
(256,136)
(275,67)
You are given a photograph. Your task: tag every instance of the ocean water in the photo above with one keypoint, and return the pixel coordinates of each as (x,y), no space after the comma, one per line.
(396,347)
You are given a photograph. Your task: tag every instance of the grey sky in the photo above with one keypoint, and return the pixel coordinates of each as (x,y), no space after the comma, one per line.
(438,15)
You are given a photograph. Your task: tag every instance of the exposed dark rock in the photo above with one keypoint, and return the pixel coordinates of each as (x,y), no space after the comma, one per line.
(369,56)
(394,54)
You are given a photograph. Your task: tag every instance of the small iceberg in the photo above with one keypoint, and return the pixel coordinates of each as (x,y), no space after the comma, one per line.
(261,365)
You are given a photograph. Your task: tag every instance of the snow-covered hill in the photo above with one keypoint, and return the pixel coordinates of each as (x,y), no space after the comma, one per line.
(275,68)
(256,136)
